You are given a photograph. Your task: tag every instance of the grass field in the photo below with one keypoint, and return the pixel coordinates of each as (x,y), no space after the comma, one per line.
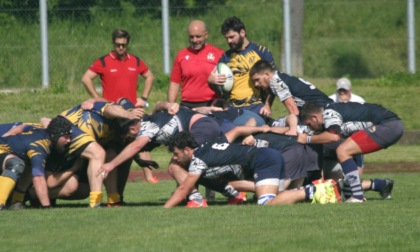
(143,225)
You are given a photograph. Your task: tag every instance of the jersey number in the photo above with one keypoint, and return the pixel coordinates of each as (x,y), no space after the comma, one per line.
(222,146)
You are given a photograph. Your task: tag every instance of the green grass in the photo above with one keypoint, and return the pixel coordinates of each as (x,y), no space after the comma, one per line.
(143,225)
(395,154)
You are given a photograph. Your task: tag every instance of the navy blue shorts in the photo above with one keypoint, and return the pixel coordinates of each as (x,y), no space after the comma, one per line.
(268,164)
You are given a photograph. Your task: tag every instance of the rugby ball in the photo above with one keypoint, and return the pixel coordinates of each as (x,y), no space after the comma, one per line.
(222,68)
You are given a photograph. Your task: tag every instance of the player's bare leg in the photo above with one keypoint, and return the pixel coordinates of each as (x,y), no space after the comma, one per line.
(96,156)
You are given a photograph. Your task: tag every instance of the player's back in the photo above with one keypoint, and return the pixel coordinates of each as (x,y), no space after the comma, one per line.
(367,112)
(92,122)
(27,143)
(304,91)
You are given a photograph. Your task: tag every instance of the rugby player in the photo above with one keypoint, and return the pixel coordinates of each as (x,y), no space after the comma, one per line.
(264,165)
(94,128)
(33,147)
(368,128)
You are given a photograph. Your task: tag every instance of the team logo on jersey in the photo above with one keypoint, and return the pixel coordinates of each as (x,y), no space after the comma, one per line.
(187,57)
(210,56)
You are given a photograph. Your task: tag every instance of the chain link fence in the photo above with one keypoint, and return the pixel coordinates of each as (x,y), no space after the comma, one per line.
(361,39)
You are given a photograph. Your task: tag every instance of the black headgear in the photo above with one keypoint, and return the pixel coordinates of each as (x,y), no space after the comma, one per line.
(59,126)
(123,123)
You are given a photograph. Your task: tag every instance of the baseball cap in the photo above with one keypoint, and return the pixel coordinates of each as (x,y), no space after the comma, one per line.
(343,83)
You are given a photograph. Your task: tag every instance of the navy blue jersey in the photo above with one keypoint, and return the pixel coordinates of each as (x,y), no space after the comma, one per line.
(161,126)
(8,126)
(352,116)
(302,91)
(277,141)
(219,157)
(4,128)
(33,147)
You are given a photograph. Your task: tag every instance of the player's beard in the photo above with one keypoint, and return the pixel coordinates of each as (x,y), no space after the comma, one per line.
(184,162)
(238,45)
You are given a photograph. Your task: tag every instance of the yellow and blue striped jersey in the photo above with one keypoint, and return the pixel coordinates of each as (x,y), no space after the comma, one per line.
(33,147)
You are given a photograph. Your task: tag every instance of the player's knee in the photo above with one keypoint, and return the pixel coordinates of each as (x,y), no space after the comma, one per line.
(14,168)
(343,152)
(70,187)
(175,167)
(97,152)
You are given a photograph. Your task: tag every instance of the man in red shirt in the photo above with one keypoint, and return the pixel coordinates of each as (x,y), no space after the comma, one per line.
(119,72)
(192,67)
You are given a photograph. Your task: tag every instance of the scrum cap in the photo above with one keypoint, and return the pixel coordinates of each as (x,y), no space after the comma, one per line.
(59,126)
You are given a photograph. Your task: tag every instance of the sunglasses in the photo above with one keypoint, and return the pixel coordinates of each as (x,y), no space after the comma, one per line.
(118,45)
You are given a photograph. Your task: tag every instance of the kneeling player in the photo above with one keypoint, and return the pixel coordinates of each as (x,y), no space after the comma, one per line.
(265,165)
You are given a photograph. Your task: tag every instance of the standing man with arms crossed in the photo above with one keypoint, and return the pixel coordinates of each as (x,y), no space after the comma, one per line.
(192,66)
(240,58)
(119,71)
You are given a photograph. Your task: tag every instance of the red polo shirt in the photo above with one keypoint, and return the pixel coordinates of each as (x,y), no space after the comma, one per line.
(191,69)
(119,77)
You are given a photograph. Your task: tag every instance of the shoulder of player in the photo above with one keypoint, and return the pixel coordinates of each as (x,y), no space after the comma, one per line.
(257,47)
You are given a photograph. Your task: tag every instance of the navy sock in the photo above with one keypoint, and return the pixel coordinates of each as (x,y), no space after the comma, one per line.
(378,184)
(351,176)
